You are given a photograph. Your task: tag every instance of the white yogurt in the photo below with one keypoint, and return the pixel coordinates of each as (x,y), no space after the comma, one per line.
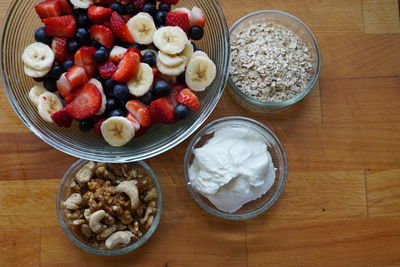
(233,168)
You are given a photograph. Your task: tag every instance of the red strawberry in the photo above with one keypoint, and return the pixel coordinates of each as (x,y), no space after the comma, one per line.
(118,26)
(140,112)
(84,58)
(59,47)
(197,18)
(76,76)
(107,70)
(86,103)
(117,54)
(64,86)
(63,26)
(103,35)
(175,89)
(66,7)
(128,67)
(136,124)
(138,4)
(188,98)
(141,131)
(171,2)
(103,2)
(98,121)
(155,70)
(134,49)
(178,18)
(162,110)
(49,8)
(62,118)
(98,14)
(126,17)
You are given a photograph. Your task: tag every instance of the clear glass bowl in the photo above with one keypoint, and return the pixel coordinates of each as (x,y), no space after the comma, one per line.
(64,191)
(298,27)
(275,149)
(18,32)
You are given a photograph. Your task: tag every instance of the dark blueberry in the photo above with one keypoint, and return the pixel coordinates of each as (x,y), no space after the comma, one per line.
(181,78)
(112,104)
(149,8)
(153,2)
(196,33)
(86,125)
(83,21)
(121,91)
(117,113)
(161,89)
(99,78)
(68,64)
(82,35)
(118,7)
(57,71)
(181,112)
(39,79)
(160,17)
(138,46)
(149,58)
(164,7)
(40,36)
(50,84)
(95,44)
(147,98)
(109,85)
(130,9)
(73,46)
(79,11)
(101,55)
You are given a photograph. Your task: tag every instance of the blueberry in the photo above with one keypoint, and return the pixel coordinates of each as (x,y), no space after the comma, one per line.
(82,20)
(57,71)
(40,36)
(149,8)
(112,104)
(160,17)
(95,44)
(147,98)
(153,2)
(117,113)
(82,35)
(109,85)
(86,125)
(101,55)
(117,7)
(39,79)
(149,58)
(138,46)
(196,33)
(181,112)
(79,11)
(73,46)
(130,9)
(161,89)
(181,78)
(121,91)
(68,64)
(164,7)
(50,84)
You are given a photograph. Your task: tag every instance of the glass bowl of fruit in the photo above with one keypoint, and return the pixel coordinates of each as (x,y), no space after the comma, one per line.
(114,81)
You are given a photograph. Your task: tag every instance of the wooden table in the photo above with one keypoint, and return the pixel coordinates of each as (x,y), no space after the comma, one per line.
(341,206)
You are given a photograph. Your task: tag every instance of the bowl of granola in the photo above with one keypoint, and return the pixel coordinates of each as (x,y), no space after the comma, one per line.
(276,61)
(109,209)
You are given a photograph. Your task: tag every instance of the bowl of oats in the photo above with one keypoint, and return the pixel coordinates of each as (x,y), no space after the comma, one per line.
(276,61)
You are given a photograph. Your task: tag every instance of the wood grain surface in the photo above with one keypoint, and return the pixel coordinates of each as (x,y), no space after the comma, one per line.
(341,206)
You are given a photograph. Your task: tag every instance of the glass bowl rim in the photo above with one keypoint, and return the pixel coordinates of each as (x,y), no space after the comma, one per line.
(311,84)
(196,195)
(116,252)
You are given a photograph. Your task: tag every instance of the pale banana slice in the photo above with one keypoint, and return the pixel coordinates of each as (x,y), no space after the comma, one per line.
(142,83)
(35,92)
(35,73)
(199,54)
(38,56)
(48,104)
(142,28)
(117,131)
(171,71)
(81,3)
(170,60)
(200,73)
(170,40)
(99,86)
(187,52)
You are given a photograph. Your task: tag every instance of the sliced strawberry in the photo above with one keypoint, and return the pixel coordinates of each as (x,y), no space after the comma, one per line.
(59,47)
(137,51)
(117,54)
(103,35)
(136,124)
(128,67)
(126,17)
(188,98)
(140,112)
(178,18)
(175,89)
(76,76)
(86,103)
(197,18)
(66,7)
(139,4)
(118,26)
(141,131)
(162,110)
(84,58)
(103,2)
(155,70)
(64,86)
(98,121)
(98,14)
(48,8)
(171,2)
(62,118)
(63,26)
(107,70)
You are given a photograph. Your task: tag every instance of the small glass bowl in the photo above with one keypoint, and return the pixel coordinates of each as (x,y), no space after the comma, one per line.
(64,191)
(278,155)
(299,28)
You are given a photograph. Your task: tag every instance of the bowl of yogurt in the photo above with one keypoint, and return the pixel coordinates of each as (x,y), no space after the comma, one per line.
(235,168)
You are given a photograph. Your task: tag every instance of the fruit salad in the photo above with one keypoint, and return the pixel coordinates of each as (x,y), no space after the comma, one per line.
(117,67)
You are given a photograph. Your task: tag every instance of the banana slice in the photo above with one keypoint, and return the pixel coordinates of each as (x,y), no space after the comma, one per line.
(48,104)
(143,81)
(117,131)
(142,28)
(35,92)
(81,3)
(187,52)
(38,56)
(99,86)
(171,71)
(35,73)
(170,60)
(200,73)
(199,54)
(170,40)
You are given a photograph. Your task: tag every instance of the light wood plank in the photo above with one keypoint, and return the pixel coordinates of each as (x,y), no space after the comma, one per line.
(381,16)
(9,120)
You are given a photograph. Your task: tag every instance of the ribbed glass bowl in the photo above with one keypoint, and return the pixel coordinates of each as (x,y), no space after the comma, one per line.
(18,32)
